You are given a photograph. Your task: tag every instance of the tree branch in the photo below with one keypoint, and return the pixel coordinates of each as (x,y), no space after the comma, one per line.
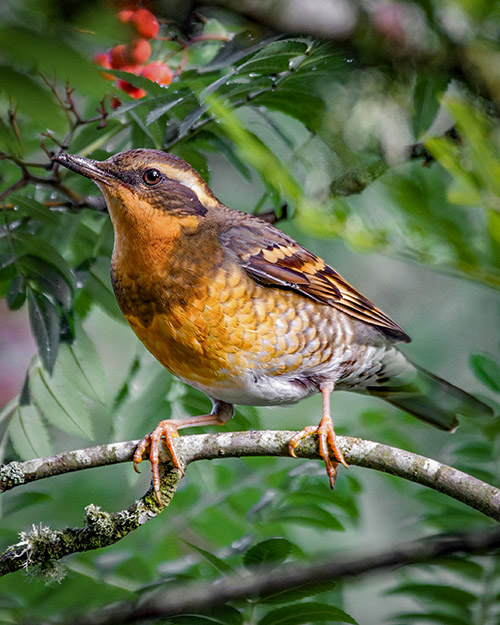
(196,597)
(425,471)
(42,547)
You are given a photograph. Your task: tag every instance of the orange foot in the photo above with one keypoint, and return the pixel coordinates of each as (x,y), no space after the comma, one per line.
(327,439)
(169,430)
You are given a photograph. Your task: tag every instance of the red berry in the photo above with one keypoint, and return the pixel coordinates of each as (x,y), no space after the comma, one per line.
(102,59)
(145,23)
(118,56)
(132,69)
(158,72)
(138,51)
(135,92)
(126,15)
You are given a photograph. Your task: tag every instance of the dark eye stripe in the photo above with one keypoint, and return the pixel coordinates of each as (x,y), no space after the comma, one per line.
(151,177)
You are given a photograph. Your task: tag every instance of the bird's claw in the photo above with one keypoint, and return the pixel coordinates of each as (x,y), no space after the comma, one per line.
(327,446)
(168,430)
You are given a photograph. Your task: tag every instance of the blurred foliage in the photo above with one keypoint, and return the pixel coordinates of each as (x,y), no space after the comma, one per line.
(327,127)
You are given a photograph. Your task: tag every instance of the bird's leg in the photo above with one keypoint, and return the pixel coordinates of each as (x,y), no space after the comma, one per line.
(221,412)
(326,437)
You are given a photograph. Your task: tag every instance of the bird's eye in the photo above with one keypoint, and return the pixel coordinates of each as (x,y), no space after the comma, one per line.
(151,177)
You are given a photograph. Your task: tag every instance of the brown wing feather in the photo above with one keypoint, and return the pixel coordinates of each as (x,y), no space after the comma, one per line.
(274,259)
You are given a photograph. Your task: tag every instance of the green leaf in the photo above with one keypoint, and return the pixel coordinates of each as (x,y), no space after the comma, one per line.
(296,593)
(487,370)
(140,81)
(45,326)
(435,592)
(98,287)
(254,150)
(6,414)
(28,434)
(40,248)
(47,279)
(430,617)
(312,515)
(304,613)
(221,615)
(31,98)
(426,101)
(61,404)
(461,566)
(29,207)
(239,47)
(477,451)
(80,364)
(275,57)
(164,106)
(216,562)
(48,52)
(16,295)
(23,500)
(269,553)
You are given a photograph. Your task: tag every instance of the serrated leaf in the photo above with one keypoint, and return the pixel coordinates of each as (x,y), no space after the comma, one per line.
(216,562)
(28,434)
(302,613)
(487,370)
(270,553)
(276,57)
(45,326)
(61,404)
(239,47)
(160,110)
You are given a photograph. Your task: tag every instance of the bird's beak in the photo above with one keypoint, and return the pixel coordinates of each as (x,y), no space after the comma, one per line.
(95,170)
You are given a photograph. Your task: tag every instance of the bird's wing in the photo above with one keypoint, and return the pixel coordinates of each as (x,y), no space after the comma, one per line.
(274,259)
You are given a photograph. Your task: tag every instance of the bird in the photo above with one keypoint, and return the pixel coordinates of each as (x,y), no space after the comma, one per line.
(238,309)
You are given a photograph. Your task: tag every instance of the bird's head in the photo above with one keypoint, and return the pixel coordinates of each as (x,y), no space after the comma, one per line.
(145,184)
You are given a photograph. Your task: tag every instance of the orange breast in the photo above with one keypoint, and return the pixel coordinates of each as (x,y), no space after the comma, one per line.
(205,319)
(232,327)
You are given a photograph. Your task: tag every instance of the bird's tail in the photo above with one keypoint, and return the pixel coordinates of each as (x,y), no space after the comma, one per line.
(428,397)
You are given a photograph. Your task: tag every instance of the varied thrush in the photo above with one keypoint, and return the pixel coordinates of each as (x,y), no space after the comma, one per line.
(238,309)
